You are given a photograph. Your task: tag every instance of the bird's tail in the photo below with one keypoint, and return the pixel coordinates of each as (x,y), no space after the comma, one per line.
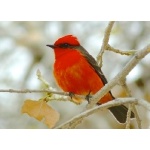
(120,113)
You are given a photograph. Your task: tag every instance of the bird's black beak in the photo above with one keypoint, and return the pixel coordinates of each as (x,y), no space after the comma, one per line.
(52,46)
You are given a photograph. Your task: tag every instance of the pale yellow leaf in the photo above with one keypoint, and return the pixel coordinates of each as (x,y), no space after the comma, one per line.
(41,111)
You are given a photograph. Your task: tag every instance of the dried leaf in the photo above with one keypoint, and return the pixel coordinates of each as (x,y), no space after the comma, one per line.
(41,111)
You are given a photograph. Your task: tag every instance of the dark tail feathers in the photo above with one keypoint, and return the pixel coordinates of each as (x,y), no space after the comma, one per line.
(120,113)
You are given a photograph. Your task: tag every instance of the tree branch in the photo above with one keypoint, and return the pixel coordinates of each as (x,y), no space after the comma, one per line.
(44,91)
(128,92)
(105,42)
(33,91)
(128,116)
(131,106)
(116,102)
(138,120)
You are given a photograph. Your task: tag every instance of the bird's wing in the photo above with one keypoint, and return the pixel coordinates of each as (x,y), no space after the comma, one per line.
(93,63)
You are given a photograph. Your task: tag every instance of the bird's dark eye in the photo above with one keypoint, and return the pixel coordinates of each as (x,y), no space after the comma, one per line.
(64,45)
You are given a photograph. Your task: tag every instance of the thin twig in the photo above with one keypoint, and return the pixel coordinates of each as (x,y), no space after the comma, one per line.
(127,52)
(33,91)
(105,42)
(138,120)
(128,116)
(44,91)
(40,77)
(53,98)
(131,106)
(122,82)
(128,93)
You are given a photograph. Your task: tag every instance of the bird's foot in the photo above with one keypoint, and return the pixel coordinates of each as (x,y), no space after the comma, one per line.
(71,94)
(88,96)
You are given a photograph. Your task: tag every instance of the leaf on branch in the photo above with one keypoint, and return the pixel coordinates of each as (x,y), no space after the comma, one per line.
(40,110)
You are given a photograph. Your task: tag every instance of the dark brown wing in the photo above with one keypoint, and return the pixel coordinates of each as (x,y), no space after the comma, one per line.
(93,63)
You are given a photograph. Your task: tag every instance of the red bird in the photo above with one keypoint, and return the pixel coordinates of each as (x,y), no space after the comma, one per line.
(77,72)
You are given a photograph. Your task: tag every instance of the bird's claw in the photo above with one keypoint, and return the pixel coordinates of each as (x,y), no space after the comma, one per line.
(71,94)
(88,96)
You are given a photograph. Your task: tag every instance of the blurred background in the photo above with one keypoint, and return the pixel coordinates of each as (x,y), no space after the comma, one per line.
(23,50)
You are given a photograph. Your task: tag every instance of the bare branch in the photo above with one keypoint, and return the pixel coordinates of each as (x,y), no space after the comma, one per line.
(105,42)
(77,118)
(33,91)
(138,120)
(116,102)
(131,106)
(127,52)
(124,85)
(122,82)
(61,98)
(44,91)
(128,117)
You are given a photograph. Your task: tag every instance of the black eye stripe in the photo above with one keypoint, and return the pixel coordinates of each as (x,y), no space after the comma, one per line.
(67,45)
(64,45)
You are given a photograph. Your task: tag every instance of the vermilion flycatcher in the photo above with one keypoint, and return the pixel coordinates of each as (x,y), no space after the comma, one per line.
(76,71)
